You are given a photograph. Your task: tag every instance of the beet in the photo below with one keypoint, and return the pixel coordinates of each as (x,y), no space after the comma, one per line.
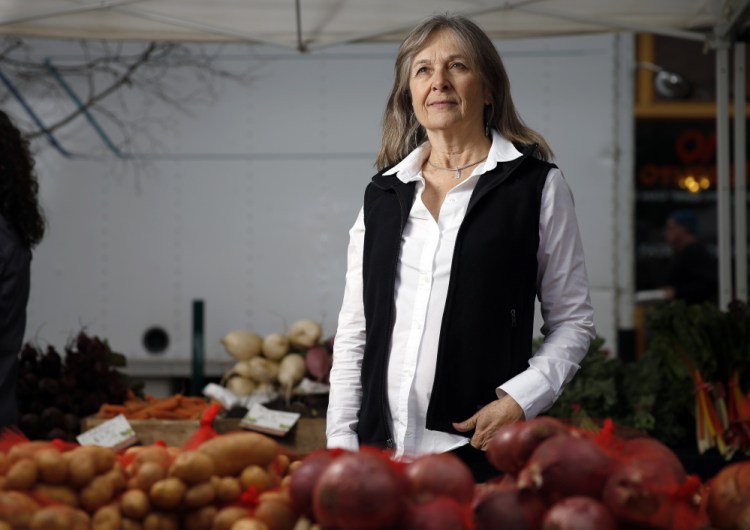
(359,491)
(302,480)
(509,510)
(440,513)
(578,513)
(566,466)
(439,474)
(512,445)
(728,504)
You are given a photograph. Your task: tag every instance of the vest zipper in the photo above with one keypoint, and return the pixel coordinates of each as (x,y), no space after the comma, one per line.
(513,318)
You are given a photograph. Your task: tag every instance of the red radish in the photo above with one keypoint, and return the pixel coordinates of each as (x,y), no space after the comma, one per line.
(651,449)
(513,443)
(303,479)
(578,513)
(439,474)
(440,513)
(643,492)
(728,502)
(359,491)
(564,466)
(509,510)
(318,362)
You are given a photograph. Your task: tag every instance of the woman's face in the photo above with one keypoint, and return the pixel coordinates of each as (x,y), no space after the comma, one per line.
(447,95)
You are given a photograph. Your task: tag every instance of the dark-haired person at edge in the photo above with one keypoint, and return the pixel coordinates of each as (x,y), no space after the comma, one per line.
(465,224)
(693,274)
(21,228)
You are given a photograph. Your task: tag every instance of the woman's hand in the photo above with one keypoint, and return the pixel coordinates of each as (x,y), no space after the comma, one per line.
(489,419)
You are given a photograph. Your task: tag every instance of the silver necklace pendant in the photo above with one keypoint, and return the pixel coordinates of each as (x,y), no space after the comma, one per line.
(458,174)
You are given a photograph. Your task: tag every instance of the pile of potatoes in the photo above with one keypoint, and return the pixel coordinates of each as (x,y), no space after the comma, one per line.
(235,481)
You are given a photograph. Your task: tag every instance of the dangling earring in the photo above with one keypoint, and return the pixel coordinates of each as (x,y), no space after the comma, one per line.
(487,119)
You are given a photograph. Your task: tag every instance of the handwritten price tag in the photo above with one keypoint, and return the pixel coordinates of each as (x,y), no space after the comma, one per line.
(116,433)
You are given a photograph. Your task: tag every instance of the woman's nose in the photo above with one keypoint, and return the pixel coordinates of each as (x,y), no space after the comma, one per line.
(440,80)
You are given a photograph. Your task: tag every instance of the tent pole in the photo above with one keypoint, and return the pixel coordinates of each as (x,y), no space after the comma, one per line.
(740,171)
(723,204)
(67,11)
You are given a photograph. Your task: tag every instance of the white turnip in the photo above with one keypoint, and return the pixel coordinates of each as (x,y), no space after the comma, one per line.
(263,370)
(291,372)
(275,346)
(240,385)
(242,345)
(305,333)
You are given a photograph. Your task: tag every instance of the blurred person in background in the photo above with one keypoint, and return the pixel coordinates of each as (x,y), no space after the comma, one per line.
(693,273)
(22,226)
(464,226)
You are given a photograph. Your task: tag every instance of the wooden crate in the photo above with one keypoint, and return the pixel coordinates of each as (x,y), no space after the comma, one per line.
(307,435)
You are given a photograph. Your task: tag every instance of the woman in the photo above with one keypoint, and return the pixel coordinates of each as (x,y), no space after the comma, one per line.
(463,226)
(21,228)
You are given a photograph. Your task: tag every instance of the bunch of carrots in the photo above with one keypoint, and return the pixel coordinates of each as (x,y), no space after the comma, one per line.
(175,407)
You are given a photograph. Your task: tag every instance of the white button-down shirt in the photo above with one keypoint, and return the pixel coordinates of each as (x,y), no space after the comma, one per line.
(420,293)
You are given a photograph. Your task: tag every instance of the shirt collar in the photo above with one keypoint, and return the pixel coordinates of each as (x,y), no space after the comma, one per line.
(409,169)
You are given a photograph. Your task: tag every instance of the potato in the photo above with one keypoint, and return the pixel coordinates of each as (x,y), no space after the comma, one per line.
(192,467)
(280,465)
(98,493)
(81,468)
(107,518)
(152,453)
(59,518)
(130,524)
(116,476)
(256,477)
(227,489)
(57,493)
(228,516)
(53,468)
(5,526)
(199,495)
(104,457)
(135,504)
(276,514)
(167,493)
(149,473)
(202,519)
(17,508)
(161,521)
(276,495)
(249,523)
(4,463)
(27,450)
(234,451)
(22,475)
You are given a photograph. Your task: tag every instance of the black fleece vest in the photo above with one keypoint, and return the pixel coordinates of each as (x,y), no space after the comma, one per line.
(486,332)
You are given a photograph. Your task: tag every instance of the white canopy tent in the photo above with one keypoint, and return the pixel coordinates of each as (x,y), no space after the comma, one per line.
(313,24)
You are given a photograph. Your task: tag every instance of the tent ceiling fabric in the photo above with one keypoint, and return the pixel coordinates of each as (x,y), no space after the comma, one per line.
(329,22)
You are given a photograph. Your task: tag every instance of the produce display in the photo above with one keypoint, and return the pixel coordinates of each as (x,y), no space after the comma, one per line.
(55,393)
(555,478)
(278,361)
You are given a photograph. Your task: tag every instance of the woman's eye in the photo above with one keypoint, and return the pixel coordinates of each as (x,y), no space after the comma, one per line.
(421,70)
(459,66)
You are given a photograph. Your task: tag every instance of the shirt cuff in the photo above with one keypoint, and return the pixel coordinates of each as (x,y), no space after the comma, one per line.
(531,390)
(343,441)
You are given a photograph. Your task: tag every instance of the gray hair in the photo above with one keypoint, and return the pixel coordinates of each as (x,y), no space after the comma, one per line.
(402,133)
